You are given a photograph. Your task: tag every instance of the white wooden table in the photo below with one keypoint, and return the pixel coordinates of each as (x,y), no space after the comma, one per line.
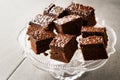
(14,14)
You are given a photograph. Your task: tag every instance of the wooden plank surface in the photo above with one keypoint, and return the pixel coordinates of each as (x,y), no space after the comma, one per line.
(29,72)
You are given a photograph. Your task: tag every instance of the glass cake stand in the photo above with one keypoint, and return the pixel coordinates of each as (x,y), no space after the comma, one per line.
(76,67)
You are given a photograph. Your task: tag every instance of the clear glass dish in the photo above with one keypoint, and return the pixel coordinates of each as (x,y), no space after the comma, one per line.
(76,67)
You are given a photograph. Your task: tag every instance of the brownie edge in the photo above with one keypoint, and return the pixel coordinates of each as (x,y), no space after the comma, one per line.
(40,40)
(98,31)
(93,48)
(63,47)
(87,13)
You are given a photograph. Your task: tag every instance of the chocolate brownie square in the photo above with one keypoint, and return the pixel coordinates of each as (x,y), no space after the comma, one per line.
(55,11)
(70,24)
(93,48)
(98,31)
(63,47)
(42,21)
(40,40)
(87,13)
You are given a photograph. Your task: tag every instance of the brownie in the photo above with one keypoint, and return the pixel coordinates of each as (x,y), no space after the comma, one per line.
(93,48)
(87,13)
(63,47)
(70,24)
(40,40)
(42,21)
(55,11)
(98,31)
(47,9)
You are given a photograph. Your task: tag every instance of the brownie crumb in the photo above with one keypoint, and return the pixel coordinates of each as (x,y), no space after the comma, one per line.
(28,38)
(46,54)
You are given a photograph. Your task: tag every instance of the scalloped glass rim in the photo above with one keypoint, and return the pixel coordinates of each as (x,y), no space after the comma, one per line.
(76,65)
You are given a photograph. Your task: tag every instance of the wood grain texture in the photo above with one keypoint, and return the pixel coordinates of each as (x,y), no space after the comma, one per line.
(29,72)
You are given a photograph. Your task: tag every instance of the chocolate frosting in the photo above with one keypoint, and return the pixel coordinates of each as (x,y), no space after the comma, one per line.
(42,20)
(61,40)
(66,19)
(80,9)
(91,40)
(93,29)
(41,34)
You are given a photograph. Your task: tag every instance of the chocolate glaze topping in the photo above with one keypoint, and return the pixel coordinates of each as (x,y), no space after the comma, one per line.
(80,9)
(66,19)
(61,40)
(93,29)
(55,11)
(42,34)
(91,40)
(42,20)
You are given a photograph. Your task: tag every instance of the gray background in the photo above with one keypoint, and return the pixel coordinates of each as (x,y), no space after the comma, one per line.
(14,14)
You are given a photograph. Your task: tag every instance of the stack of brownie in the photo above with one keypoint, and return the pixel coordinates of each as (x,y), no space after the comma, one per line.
(93,43)
(69,23)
